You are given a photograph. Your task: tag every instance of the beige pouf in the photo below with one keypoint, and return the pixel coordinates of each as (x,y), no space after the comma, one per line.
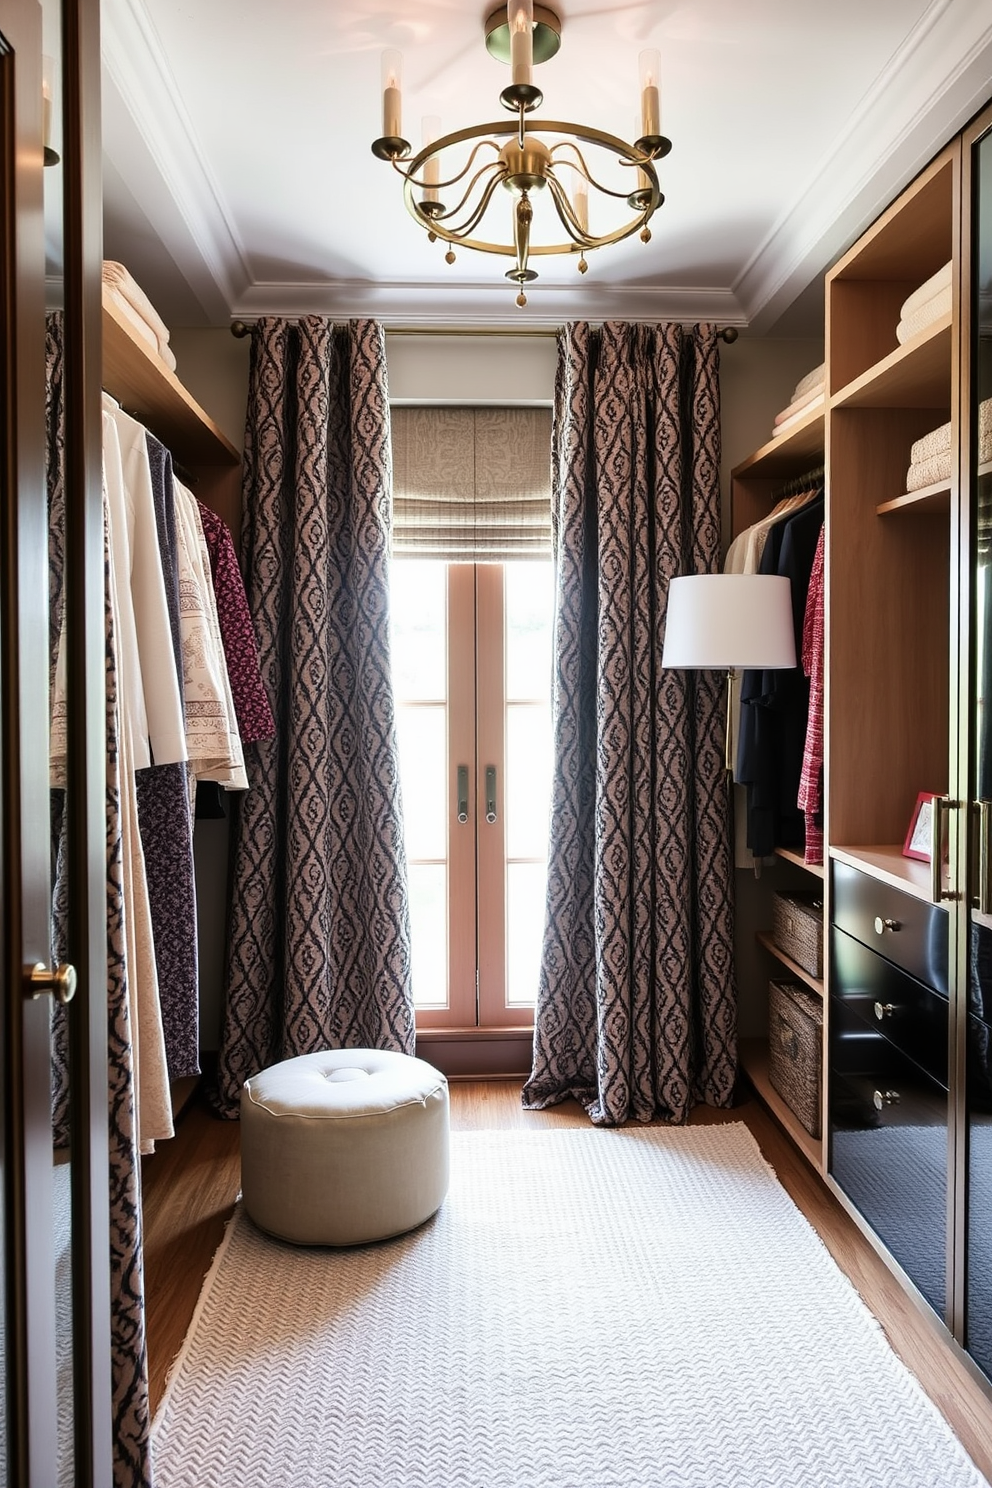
(345,1146)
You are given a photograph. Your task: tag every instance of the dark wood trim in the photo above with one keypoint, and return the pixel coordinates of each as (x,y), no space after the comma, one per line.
(86,701)
(29,1295)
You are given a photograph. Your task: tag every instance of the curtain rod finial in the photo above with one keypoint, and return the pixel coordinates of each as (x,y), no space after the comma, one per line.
(729,334)
(239,329)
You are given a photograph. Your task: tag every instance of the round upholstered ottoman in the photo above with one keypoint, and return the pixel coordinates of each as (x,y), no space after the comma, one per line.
(345,1146)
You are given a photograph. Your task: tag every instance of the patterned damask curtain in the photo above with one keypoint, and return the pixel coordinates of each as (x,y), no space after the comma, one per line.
(636,1013)
(319,941)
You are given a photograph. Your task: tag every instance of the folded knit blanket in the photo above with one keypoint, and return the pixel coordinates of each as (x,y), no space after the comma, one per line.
(924,315)
(799,403)
(927,290)
(792,415)
(929,472)
(930,456)
(131,299)
(811,383)
(937,442)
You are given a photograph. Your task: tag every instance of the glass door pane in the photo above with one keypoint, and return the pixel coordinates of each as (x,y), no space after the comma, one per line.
(432,621)
(979,1023)
(516,604)
(471,672)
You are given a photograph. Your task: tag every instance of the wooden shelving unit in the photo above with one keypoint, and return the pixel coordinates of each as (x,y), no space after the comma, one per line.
(915,375)
(146,388)
(815,984)
(789,855)
(935,500)
(754,1059)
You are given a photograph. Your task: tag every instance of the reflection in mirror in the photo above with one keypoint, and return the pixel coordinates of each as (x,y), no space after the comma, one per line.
(55,472)
(6,163)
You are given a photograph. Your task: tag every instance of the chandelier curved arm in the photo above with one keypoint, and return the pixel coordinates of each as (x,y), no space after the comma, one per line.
(566,215)
(627,159)
(416,162)
(459,231)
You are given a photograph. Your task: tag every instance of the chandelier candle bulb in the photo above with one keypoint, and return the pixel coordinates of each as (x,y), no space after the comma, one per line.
(430,131)
(580,204)
(392,102)
(650,69)
(520,16)
(643,184)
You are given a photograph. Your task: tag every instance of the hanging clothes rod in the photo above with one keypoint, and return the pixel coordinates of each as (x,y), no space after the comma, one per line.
(805,482)
(242,328)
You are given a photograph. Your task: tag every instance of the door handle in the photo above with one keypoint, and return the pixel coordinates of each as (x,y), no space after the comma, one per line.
(463,793)
(941,807)
(60,981)
(490,793)
(984,810)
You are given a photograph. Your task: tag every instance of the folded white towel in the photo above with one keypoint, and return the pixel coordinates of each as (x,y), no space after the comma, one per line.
(929,472)
(925,315)
(937,442)
(811,383)
(795,413)
(163,351)
(116,277)
(798,404)
(936,282)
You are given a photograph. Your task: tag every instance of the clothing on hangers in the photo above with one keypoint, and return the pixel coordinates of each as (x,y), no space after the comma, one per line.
(775,704)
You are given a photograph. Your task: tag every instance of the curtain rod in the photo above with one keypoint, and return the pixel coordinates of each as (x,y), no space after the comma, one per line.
(242,328)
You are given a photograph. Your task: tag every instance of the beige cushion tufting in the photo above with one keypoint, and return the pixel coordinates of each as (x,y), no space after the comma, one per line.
(344,1146)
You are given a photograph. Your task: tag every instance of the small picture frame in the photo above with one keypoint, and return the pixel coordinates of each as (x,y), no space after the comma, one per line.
(917,844)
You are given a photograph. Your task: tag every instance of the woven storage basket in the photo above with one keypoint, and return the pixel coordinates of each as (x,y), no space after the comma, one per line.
(795,1043)
(797,928)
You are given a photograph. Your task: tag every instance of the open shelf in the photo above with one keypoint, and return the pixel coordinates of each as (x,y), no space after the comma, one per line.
(754,1062)
(813,983)
(935,499)
(789,855)
(915,375)
(786,455)
(146,388)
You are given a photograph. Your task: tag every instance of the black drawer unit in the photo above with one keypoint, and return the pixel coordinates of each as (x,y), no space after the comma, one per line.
(979,1272)
(907,931)
(888,1146)
(895,1005)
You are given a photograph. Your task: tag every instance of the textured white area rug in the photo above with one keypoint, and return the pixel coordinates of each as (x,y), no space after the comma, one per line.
(589,1309)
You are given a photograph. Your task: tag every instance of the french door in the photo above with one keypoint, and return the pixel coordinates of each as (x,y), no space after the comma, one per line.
(471,648)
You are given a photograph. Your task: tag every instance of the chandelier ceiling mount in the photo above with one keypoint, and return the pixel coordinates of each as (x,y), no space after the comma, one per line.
(534,160)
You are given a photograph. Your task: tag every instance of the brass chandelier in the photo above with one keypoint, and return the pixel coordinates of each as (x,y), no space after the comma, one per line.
(532,163)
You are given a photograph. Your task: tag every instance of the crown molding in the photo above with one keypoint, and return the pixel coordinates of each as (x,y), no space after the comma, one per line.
(489,305)
(931,87)
(150,139)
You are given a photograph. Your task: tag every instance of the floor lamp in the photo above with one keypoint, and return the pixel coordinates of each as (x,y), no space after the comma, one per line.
(730,621)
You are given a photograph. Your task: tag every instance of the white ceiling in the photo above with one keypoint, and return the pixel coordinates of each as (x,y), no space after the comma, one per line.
(239,179)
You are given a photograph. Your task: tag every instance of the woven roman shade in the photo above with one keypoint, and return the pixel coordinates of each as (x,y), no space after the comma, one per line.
(471,485)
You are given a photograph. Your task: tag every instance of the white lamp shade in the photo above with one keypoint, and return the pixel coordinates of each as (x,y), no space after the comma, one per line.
(731,621)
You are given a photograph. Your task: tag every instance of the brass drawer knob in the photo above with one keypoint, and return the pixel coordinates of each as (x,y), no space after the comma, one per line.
(883,1098)
(882,925)
(884,1010)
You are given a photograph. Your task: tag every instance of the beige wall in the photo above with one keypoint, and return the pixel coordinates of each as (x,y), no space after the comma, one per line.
(757,376)
(213,365)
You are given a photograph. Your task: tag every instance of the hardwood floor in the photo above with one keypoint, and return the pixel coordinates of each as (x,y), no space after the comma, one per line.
(191,1183)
